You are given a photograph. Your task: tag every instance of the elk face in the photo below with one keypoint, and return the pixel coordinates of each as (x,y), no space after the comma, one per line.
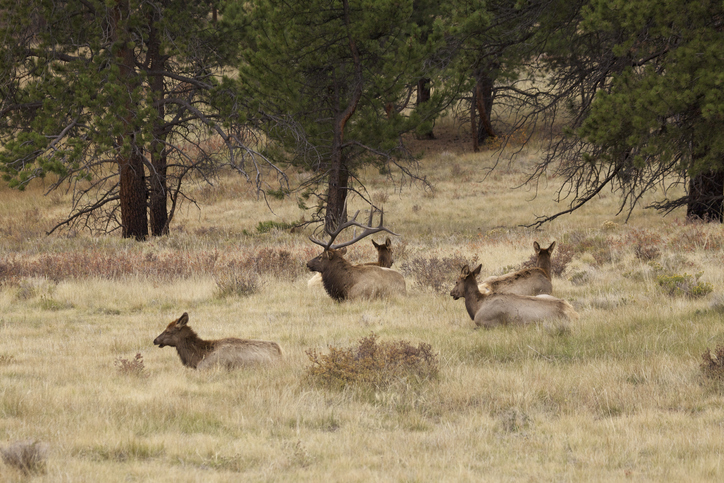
(170,336)
(384,253)
(543,251)
(325,259)
(466,277)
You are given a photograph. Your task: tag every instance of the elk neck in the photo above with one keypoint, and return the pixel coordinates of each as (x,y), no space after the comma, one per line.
(191,348)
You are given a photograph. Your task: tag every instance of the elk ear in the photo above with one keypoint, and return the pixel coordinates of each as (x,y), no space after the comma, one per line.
(388,242)
(476,272)
(536,247)
(465,271)
(550,248)
(376,245)
(183,320)
(342,250)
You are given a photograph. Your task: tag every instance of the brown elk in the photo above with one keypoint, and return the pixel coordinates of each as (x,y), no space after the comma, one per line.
(528,281)
(384,260)
(344,281)
(489,309)
(204,354)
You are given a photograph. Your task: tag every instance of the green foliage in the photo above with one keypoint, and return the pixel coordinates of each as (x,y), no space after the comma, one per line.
(684,285)
(269,225)
(372,364)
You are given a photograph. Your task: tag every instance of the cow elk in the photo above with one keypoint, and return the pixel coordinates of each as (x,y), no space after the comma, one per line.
(226,353)
(384,260)
(345,281)
(528,281)
(490,309)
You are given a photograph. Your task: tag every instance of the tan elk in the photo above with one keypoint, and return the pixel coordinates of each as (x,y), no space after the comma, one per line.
(204,354)
(384,259)
(528,281)
(489,309)
(345,281)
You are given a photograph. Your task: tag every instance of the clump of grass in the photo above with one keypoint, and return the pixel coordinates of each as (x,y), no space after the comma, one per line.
(372,364)
(267,226)
(684,285)
(232,282)
(712,364)
(436,274)
(26,456)
(133,367)
(6,359)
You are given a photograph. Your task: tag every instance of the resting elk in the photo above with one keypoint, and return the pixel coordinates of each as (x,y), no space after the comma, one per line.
(490,309)
(528,281)
(384,259)
(344,281)
(204,354)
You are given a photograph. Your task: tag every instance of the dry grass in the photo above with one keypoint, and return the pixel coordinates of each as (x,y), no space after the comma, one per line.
(621,394)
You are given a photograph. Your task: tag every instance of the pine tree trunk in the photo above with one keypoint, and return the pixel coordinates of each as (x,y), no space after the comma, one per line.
(132,192)
(484,104)
(706,192)
(423,95)
(158,198)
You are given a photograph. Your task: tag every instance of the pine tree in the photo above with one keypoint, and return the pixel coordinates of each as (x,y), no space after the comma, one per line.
(333,79)
(121,99)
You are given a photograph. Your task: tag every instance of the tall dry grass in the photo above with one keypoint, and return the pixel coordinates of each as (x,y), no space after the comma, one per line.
(618,395)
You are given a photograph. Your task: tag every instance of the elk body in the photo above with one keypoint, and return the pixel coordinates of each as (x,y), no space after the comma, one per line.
(384,260)
(204,354)
(528,281)
(345,281)
(490,309)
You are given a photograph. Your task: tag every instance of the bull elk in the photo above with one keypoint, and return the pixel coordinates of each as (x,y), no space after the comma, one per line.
(490,309)
(204,354)
(345,281)
(528,281)
(384,260)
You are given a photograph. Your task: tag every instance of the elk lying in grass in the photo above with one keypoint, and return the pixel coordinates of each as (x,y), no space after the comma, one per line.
(203,354)
(528,281)
(490,309)
(344,281)
(384,260)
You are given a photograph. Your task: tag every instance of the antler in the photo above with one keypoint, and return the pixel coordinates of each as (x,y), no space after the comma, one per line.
(367,230)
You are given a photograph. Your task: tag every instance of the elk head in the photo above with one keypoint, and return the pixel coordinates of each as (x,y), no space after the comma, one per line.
(466,278)
(173,333)
(384,253)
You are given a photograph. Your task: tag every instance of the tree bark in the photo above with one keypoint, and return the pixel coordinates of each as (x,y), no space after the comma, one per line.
(158,184)
(134,220)
(484,105)
(423,95)
(706,192)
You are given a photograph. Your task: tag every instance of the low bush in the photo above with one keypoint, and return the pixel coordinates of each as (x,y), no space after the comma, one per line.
(436,274)
(133,367)
(713,363)
(372,363)
(26,456)
(684,285)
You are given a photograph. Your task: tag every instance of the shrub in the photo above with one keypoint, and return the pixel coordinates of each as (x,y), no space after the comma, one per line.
(713,363)
(267,226)
(133,367)
(26,456)
(436,274)
(684,285)
(372,363)
(231,282)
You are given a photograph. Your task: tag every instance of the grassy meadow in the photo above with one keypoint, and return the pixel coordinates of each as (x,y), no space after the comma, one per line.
(617,395)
